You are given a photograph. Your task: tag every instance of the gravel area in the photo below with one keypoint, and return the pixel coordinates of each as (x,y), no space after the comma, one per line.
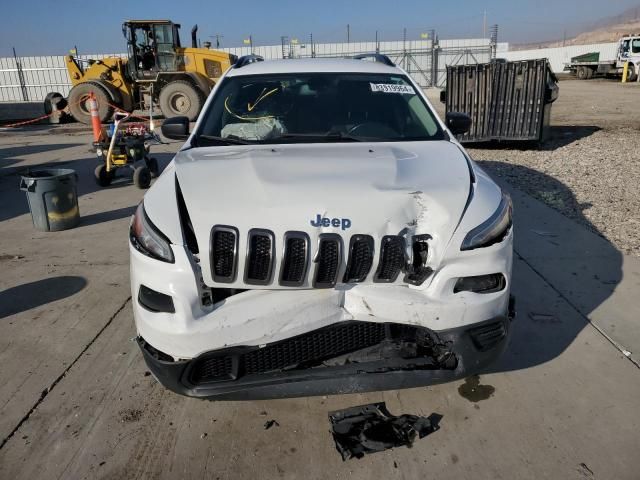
(589,175)
(589,169)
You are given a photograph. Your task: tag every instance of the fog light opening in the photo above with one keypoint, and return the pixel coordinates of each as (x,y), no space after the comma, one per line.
(481,284)
(155,301)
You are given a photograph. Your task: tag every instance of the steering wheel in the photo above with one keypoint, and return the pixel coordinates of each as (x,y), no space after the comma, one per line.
(372,129)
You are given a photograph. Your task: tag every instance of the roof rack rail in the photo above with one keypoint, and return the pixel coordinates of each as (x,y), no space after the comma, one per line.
(247,59)
(378,57)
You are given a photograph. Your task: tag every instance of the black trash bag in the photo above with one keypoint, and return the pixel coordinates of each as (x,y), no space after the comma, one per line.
(371,428)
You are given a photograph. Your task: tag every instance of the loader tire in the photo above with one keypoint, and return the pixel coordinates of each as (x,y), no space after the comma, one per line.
(181,98)
(51,99)
(79,102)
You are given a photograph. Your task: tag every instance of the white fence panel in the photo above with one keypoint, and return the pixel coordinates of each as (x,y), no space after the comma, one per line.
(41,75)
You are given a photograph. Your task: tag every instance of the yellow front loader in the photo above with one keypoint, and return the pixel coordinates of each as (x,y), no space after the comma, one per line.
(156,70)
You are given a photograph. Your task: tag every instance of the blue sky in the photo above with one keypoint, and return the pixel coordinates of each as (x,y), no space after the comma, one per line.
(54,26)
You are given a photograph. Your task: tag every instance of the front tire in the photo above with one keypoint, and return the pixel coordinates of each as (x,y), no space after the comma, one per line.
(180,98)
(78,101)
(103,178)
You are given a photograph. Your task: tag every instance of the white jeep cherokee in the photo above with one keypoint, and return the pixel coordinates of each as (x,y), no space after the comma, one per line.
(320,231)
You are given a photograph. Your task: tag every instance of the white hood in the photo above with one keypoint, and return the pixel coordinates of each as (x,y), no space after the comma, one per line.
(371,188)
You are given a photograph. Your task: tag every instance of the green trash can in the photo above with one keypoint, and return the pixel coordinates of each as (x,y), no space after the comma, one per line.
(53,198)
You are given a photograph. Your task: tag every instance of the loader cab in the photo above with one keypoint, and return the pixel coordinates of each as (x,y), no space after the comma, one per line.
(152,47)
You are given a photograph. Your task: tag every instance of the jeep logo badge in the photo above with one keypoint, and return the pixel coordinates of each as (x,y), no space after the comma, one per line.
(321,221)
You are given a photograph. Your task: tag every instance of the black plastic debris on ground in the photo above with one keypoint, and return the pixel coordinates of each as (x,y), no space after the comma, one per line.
(371,428)
(270,423)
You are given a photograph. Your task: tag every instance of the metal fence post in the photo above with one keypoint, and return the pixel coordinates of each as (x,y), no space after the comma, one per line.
(23,86)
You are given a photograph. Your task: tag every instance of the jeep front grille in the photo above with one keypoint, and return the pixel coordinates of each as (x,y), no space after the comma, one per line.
(224,248)
(303,264)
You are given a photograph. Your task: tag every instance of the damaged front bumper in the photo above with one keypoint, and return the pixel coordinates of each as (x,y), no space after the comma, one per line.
(324,361)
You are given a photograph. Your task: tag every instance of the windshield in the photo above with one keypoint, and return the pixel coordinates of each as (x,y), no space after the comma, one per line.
(313,107)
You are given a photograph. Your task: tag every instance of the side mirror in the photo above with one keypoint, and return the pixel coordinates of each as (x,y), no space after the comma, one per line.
(443,96)
(458,123)
(176,128)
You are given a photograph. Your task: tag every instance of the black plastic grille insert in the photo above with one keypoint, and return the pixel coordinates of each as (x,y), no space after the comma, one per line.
(296,352)
(259,257)
(296,257)
(329,258)
(360,258)
(224,245)
(392,259)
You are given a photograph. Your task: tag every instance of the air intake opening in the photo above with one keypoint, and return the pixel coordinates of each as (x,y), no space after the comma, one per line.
(328,259)
(259,264)
(360,258)
(224,248)
(392,259)
(295,259)
(417,270)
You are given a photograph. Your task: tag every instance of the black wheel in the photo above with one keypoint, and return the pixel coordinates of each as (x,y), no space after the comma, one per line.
(142,177)
(103,178)
(181,98)
(581,73)
(152,164)
(590,72)
(79,102)
(51,99)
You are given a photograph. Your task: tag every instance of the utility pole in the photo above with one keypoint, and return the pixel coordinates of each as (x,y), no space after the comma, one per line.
(484,25)
(348,33)
(218,37)
(404,47)
(377,43)
(251,43)
(283,41)
(313,50)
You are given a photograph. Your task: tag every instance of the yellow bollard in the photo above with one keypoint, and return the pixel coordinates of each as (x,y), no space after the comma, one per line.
(625,71)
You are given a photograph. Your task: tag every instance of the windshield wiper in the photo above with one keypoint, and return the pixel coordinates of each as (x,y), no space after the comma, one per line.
(231,140)
(326,137)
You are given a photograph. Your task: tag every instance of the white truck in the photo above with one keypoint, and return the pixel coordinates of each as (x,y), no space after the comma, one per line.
(589,65)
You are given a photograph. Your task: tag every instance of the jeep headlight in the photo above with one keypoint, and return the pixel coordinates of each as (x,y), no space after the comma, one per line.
(492,230)
(147,239)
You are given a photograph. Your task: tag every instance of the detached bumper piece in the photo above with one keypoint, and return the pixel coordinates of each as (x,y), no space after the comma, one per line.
(371,428)
(345,357)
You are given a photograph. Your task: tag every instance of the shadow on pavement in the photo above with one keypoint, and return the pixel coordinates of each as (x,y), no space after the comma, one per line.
(106,216)
(558,136)
(585,267)
(34,294)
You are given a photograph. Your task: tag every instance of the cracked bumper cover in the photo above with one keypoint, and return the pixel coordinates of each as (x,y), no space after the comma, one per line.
(468,357)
